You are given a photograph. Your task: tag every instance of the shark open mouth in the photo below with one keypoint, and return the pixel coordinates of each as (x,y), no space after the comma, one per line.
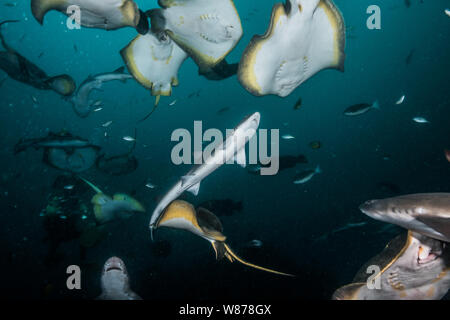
(114,268)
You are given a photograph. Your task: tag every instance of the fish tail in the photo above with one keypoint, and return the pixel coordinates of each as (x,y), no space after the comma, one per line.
(96,189)
(232,256)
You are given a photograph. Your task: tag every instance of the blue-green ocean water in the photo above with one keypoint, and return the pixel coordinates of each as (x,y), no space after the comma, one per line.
(289,219)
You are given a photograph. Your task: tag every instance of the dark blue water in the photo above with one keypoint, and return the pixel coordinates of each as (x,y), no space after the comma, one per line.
(287,218)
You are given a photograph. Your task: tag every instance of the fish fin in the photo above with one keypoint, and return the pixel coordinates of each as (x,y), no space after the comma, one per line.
(194,189)
(40,7)
(240,158)
(96,189)
(4,44)
(348,292)
(119,70)
(376,105)
(184,179)
(232,255)
(219,249)
(134,204)
(439,224)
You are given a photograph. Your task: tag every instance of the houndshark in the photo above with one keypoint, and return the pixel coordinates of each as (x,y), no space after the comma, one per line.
(425,213)
(80,101)
(115,281)
(233,147)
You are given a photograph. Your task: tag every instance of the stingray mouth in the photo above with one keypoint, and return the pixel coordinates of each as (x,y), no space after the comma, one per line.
(427,255)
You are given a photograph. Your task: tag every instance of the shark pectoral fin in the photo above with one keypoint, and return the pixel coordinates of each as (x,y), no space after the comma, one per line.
(185,179)
(194,189)
(240,158)
(235,257)
(439,224)
(40,7)
(133,203)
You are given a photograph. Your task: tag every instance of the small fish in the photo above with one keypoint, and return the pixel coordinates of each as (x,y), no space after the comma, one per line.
(447,12)
(306,175)
(298,104)
(173,103)
(69,187)
(98,109)
(40,55)
(409,57)
(35,100)
(83,217)
(223,110)
(63,217)
(107,124)
(150,185)
(400,101)
(287,137)
(97,103)
(254,244)
(128,138)
(447,154)
(361,108)
(420,120)
(75,48)
(315,145)
(11,5)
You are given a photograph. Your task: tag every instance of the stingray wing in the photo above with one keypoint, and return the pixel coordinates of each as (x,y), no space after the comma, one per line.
(303,38)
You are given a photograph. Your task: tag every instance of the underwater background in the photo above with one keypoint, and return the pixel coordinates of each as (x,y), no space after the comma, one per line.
(379,154)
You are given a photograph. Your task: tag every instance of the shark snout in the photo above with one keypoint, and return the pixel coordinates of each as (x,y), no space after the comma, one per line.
(114,263)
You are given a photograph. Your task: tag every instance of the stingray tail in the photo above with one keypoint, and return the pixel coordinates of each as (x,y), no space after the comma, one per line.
(223,250)
(96,189)
(153,110)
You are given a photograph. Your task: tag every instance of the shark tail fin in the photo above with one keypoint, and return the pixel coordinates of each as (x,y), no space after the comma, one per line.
(232,256)
(96,189)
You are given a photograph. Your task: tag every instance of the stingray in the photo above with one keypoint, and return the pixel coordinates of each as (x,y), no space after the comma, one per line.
(206,29)
(104,14)
(71,159)
(304,37)
(21,69)
(153,60)
(120,206)
(412,267)
(201,222)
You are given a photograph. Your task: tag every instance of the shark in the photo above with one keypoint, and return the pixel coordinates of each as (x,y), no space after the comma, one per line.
(232,148)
